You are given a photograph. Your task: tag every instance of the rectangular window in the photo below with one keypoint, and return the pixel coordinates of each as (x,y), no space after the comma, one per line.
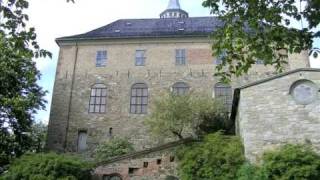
(180,57)
(101,58)
(82,140)
(140,57)
(98,99)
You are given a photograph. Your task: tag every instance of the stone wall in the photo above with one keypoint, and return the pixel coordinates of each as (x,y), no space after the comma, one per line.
(268,116)
(76,70)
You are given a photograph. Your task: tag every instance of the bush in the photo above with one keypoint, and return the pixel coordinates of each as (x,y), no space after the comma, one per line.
(289,162)
(114,147)
(47,167)
(292,162)
(217,157)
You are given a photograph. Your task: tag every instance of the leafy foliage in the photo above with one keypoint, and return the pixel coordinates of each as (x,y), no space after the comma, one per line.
(217,157)
(290,162)
(186,115)
(112,148)
(48,167)
(260,30)
(20,96)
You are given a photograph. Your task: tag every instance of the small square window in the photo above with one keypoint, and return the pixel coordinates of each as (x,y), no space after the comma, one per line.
(101,58)
(159,161)
(140,58)
(145,164)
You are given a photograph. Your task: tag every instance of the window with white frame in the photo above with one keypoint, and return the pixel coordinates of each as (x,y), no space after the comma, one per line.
(140,58)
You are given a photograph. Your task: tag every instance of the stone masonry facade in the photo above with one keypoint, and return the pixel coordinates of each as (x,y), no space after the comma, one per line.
(268,115)
(77,73)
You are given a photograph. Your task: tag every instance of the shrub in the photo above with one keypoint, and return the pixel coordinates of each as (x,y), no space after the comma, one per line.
(292,162)
(114,147)
(217,157)
(49,166)
(289,162)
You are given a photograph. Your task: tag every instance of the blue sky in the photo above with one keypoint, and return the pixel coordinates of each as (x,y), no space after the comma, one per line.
(56,18)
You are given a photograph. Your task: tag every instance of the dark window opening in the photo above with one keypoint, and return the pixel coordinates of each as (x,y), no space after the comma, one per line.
(133,170)
(171,158)
(110,132)
(159,161)
(145,164)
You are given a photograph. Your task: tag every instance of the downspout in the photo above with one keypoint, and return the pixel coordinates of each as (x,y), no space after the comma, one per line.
(71,94)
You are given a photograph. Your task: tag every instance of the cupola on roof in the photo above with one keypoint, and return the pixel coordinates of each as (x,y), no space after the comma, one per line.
(174,10)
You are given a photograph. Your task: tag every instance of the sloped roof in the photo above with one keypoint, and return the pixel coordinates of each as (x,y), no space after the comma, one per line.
(150,28)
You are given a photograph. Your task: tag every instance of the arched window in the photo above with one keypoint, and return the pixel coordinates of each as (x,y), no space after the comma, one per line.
(98,99)
(223,93)
(180,88)
(139,99)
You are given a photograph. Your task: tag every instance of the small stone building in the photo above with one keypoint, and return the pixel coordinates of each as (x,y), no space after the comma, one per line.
(278,110)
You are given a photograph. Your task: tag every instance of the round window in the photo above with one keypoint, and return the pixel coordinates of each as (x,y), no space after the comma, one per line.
(304,92)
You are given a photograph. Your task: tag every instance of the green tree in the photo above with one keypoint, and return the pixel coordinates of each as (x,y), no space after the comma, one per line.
(185,115)
(20,96)
(49,166)
(261,30)
(217,157)
(112,148)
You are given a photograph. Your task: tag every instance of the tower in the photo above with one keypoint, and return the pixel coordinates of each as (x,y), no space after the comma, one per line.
(174,11)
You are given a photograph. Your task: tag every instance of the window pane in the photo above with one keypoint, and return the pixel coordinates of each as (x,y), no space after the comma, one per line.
(138,100)
(91,100)
(93,92)
(97,109)
(98,92)
(133,100)
(98,100)
(145,100)
(103,100)
(139,92)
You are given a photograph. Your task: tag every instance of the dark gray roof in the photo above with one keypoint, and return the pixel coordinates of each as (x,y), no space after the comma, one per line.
(150,28)
(236,94)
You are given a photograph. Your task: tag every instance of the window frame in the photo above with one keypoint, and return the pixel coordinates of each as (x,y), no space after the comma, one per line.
(93,96)
(140,58)
(101,58)
(139,98)
(181,59)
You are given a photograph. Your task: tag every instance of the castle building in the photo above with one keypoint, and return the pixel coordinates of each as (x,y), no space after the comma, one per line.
(106,79)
